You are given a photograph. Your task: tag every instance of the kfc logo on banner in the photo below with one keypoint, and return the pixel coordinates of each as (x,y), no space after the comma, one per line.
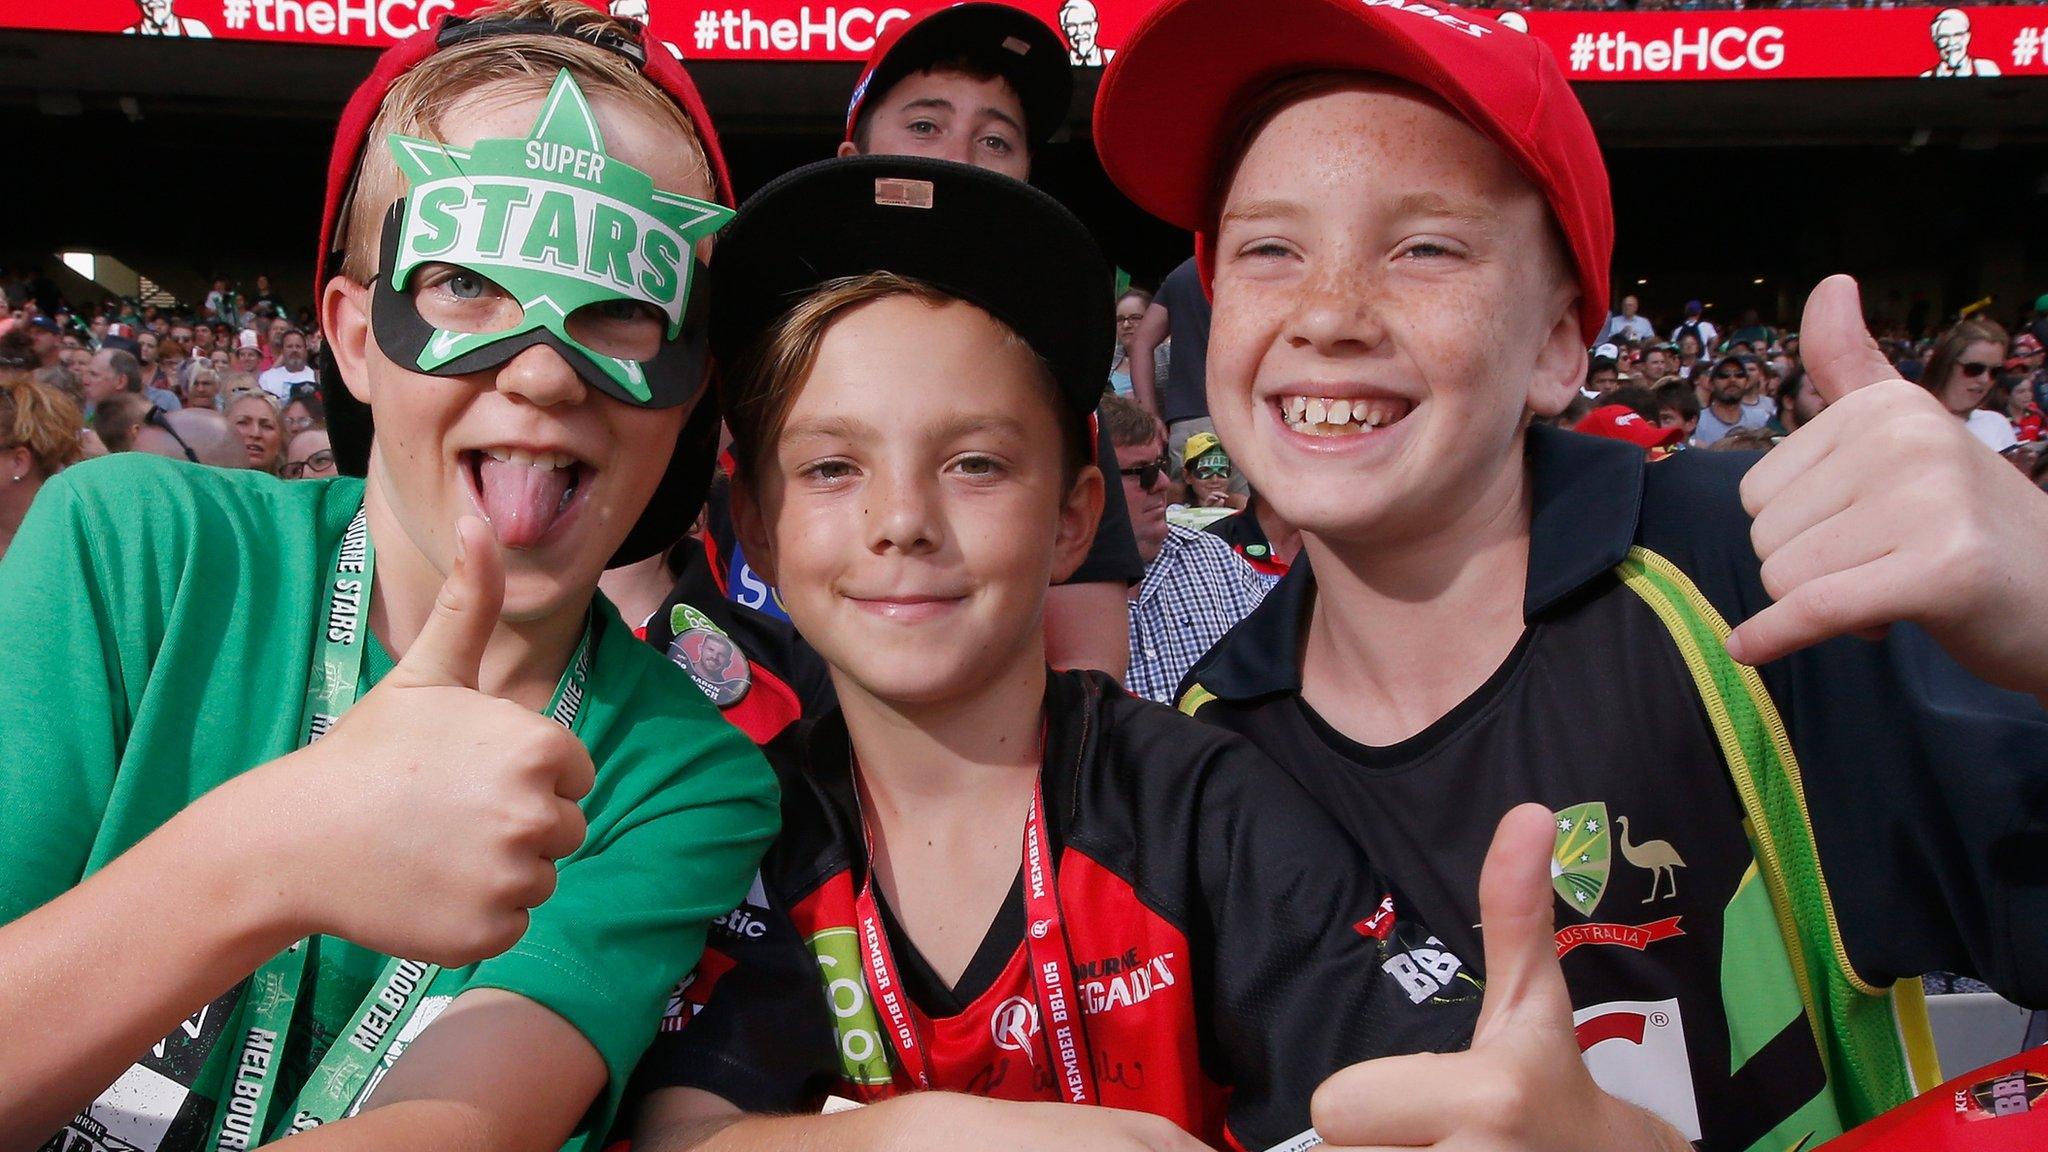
(1635,1049)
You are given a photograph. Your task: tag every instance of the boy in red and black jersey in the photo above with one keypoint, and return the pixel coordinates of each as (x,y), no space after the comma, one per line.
(1018,888)
(1225,947)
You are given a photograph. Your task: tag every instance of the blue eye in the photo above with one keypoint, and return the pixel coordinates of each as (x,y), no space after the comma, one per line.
(465,286)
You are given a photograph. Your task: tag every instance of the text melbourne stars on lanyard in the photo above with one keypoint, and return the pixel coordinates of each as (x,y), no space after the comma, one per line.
(1045,943)
(243,1119)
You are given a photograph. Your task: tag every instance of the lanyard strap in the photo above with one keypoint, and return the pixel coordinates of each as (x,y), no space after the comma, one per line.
(1045,943)
(270,998)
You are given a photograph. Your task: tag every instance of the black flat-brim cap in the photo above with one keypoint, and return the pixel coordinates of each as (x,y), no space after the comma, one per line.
(994,242)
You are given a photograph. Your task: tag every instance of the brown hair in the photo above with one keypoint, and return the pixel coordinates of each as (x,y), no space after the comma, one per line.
(1128,425)
(512,66)
(117,417)
(41,419)
(761,384)
(1948,350)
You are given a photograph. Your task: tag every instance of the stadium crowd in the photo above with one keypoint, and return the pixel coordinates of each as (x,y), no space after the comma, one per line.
(686,763)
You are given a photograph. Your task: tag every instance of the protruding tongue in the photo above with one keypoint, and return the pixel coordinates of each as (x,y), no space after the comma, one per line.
(521,501)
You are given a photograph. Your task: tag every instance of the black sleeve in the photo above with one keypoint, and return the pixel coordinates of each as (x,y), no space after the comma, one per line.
(1113,557)
(1927,788)
(750,1024)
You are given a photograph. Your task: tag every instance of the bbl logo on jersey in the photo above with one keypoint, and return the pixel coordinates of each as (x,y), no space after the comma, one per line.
(1582,856)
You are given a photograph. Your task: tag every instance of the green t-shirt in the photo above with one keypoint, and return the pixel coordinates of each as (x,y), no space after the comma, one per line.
(157,626)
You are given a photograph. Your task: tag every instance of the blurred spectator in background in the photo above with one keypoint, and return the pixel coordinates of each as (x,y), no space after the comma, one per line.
(1678,406)
(1195,587)
(1959,372)
(304,413)
(39,432)
(1727,384)
(1627,324)
(1130,312)
(202,387)
(1180,313)
(311,457)
(200,435)
(1603,371)
(1696,327)
(248,352)
(1798,403)
(256,420)
(115,419)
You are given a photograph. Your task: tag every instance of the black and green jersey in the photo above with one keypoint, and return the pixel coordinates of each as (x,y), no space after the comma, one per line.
(1750,869)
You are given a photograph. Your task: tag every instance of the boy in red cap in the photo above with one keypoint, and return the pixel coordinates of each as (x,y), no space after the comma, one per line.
(1369,180)
(304,776)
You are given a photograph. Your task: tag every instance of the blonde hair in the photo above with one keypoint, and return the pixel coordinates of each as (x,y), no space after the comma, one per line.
(507,68)
(41,419)
(761,385)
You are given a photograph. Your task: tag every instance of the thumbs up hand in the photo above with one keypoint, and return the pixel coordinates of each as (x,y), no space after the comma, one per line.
(1885,508)
(427,821)
(1522,1084)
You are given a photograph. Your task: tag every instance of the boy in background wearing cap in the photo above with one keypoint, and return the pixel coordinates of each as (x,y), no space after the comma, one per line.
(988,84)
(402,685)
(1202,945)
(1364,181)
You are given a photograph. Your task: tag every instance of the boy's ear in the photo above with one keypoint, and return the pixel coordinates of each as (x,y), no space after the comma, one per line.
(345,318)
(751,527)
(1560,363)
(1080,510)
(847,148)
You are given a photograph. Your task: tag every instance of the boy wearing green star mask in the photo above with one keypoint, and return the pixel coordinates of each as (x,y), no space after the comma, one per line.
(348,804)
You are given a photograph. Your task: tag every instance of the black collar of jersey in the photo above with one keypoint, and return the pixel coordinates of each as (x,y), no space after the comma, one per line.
(1587,501)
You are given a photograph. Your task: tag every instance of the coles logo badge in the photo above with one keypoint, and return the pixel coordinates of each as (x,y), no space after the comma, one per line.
(702,649)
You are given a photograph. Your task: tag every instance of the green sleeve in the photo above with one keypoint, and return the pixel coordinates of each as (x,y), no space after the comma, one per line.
(683,809)
(63,709)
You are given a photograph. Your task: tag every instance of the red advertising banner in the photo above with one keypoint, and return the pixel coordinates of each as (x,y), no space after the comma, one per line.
(1763,44)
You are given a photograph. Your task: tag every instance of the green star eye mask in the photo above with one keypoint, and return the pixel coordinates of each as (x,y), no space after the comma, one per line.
(545,240)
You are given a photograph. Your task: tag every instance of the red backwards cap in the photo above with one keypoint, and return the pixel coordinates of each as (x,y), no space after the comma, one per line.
(1183,77)
(352,134)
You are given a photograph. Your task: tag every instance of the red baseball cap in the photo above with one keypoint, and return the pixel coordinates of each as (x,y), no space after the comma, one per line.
(1184,75)
(1019,46)
(350,427)
(1621,422)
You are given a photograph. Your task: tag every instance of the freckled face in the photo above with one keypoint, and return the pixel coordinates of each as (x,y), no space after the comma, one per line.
(1390,307)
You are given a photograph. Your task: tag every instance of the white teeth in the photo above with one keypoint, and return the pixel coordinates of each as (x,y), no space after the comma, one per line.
(1317,410)
(1340,412)
(548,460)
(1297,407)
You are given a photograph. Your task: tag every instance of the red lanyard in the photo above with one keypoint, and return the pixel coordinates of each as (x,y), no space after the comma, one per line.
(1045,945)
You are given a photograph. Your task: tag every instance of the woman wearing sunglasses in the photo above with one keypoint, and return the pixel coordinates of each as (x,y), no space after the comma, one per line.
(1960,372)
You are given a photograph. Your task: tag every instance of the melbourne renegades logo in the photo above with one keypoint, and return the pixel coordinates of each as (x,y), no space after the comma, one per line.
(1013,1025)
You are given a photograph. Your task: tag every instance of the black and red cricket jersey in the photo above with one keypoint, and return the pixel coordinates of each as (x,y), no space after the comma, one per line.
(1230,947)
